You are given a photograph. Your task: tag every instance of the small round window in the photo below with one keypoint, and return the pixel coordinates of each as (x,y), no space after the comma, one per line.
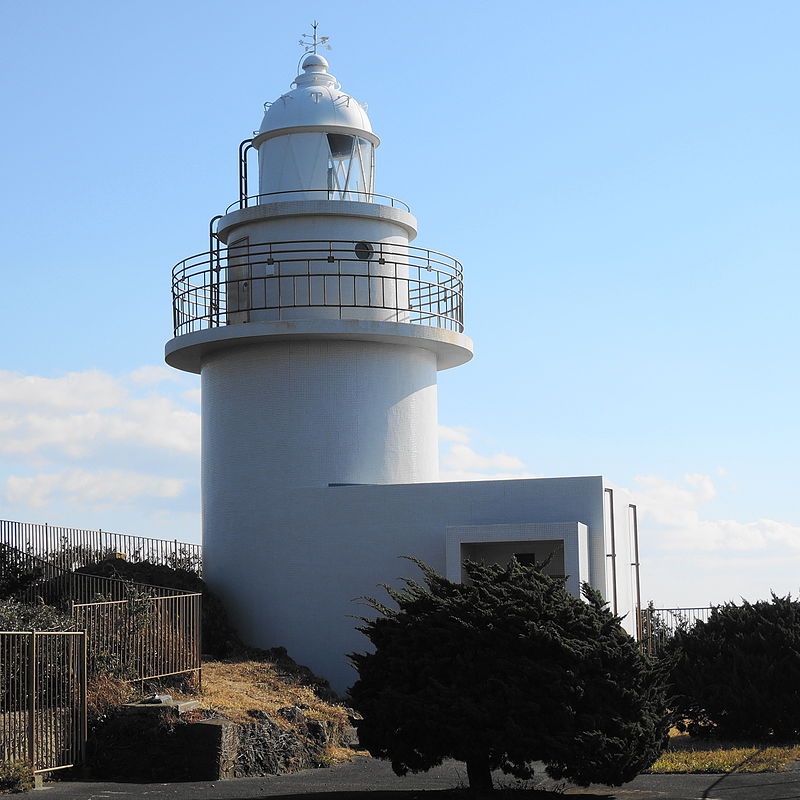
(364,251)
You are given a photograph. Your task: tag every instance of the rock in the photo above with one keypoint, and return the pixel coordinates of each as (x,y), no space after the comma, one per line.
(157,699)
(293,714)
(318,731)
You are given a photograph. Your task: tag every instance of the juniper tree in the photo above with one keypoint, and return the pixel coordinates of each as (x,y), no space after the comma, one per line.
(737,675)
(503,670)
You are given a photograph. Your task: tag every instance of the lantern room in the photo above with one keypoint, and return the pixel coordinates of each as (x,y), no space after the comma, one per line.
(315,142)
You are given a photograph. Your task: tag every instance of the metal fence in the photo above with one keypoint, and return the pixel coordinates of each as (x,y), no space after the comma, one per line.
(659,625)
(136,630)
(338,279)
(247,201)
(70,548)
(43,698)
(143,637)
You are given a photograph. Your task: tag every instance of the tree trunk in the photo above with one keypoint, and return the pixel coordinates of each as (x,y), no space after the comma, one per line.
(479,774)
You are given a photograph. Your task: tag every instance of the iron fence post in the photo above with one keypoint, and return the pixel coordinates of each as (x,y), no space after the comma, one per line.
(32,699)
(84,696)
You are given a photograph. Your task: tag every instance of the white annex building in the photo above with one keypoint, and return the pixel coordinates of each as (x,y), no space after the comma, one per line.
(318,330)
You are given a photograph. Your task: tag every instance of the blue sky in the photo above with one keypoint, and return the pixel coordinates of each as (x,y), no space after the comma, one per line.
(619,180)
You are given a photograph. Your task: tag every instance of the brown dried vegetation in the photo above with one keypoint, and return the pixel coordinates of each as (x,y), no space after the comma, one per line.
(234,688)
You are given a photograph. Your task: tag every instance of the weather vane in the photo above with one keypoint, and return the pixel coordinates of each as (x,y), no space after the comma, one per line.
(310,41)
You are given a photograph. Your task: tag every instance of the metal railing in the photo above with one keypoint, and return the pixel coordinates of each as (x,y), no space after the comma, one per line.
(659,625)
(53,585)
(346,279)
(317,194)
(136,630)
(70,548)
(143,637)
(43,698)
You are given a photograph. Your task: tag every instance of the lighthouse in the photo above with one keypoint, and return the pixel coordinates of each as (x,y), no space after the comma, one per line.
(318,325)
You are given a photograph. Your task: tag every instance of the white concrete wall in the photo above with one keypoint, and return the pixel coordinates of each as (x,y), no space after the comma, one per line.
(384,286)
(290,562)
(310,413)
(321,226)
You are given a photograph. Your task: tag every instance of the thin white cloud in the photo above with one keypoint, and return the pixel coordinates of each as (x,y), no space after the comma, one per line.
(673,512)
(453,434)
(78,486)
(91,390)
(462,456)
(461,462)
(44,420)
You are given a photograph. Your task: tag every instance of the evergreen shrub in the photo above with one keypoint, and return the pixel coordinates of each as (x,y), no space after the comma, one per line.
(17,616)
(503,670)
(16,571)
(737,676)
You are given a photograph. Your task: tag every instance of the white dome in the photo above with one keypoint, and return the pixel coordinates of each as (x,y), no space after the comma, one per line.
(316,100)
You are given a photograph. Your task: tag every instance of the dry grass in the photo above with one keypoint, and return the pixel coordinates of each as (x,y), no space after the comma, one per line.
(235,687)
(105,692)
(685,754)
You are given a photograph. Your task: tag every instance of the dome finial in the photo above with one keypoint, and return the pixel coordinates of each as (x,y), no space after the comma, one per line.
(310,41)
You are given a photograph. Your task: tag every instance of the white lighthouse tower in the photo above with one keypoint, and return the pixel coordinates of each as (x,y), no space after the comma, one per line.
(318,329)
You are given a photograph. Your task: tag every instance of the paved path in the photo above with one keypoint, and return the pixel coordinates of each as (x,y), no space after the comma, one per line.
(368,779)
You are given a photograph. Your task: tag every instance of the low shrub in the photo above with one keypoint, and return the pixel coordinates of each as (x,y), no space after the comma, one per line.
(737,675)
(17,616)
(15,776)
(16,571)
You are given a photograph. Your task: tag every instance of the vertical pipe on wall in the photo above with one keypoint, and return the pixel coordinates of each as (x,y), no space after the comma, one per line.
(635,565)
(613,554)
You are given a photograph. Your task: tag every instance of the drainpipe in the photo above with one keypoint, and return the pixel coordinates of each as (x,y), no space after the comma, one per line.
(635,565)
(613,554)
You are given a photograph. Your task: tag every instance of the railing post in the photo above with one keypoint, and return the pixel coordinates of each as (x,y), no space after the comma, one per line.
(244,148)
(32,699)
(84,695)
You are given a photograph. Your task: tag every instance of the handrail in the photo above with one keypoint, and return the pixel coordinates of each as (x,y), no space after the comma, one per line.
(332,194)
(658,625)
(354,280)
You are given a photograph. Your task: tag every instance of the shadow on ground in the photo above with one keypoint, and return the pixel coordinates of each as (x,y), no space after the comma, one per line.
(443,794)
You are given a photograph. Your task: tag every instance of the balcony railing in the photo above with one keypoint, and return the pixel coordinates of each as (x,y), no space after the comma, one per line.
(317,279)
(317,194)
(659,625)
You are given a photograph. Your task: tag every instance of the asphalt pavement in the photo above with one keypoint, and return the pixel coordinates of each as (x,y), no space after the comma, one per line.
(369,779)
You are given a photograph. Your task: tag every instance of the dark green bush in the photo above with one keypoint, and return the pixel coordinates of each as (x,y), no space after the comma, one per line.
(16,616)
(17,571)
(738,674)
(504,670)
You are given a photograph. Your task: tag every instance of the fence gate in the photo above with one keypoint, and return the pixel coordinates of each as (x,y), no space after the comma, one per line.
(43,698)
